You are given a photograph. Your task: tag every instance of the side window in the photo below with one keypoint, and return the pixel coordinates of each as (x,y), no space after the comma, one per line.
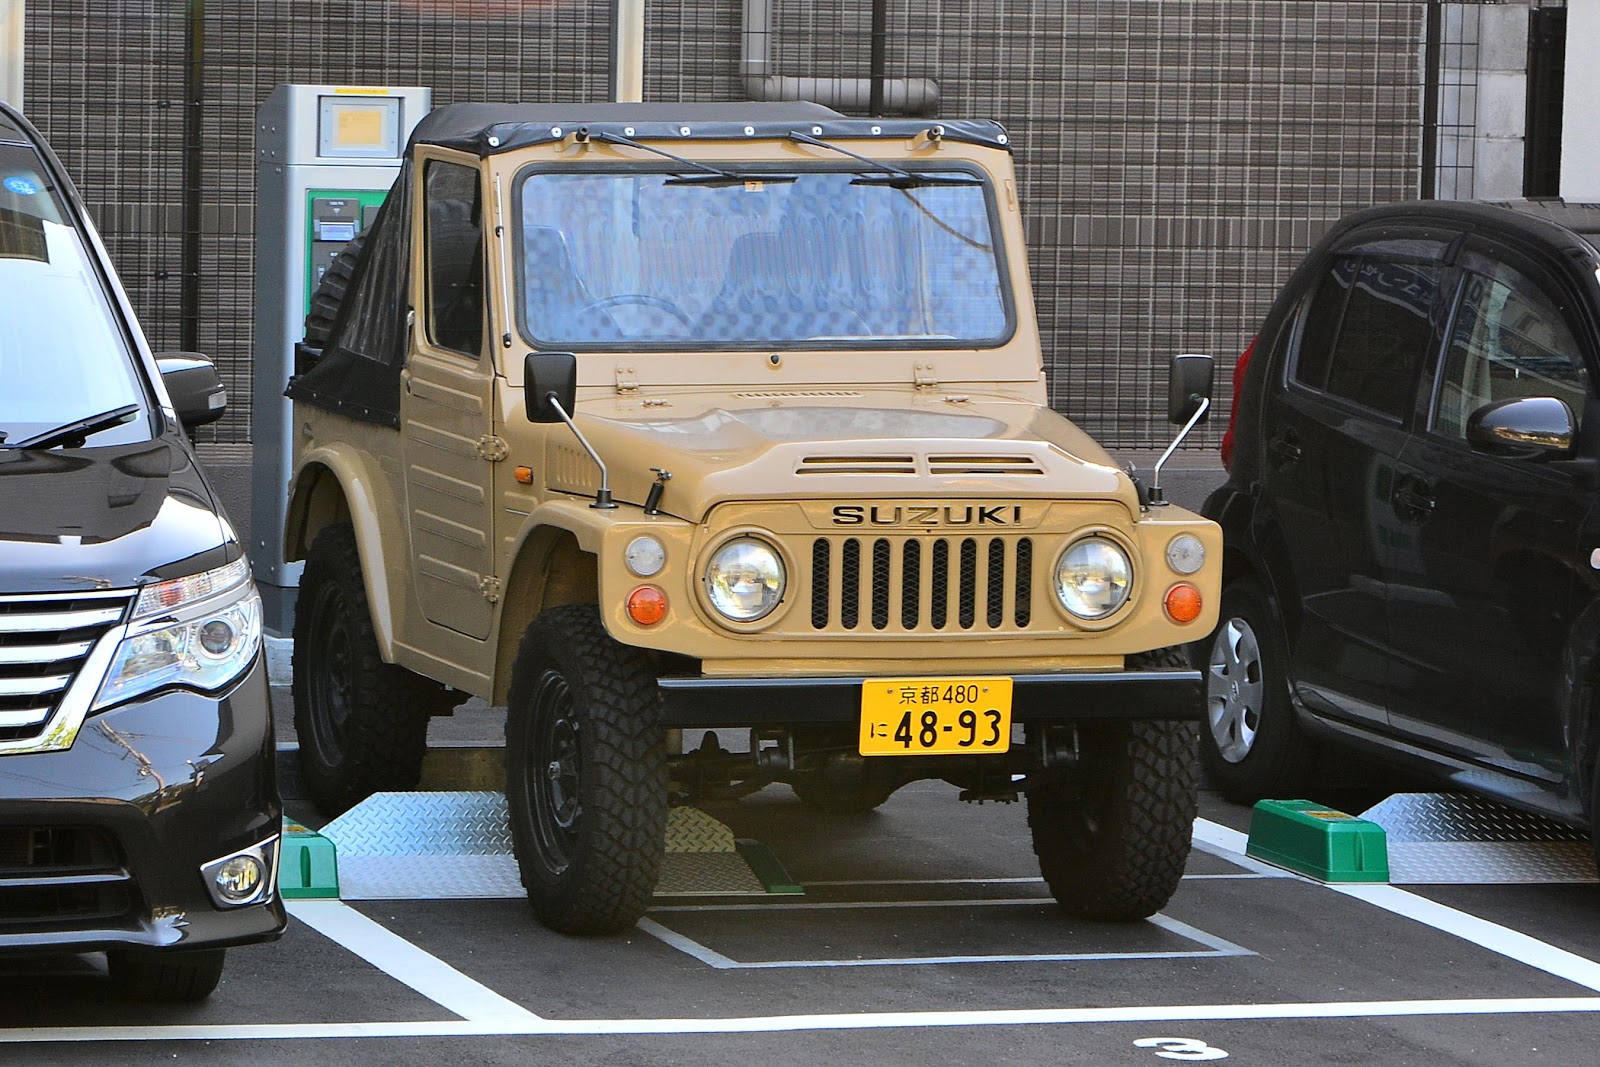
(1368,330)
(1510,340)
(454,254)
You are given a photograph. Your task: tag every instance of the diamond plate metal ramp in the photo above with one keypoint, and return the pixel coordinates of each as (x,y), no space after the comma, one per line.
(1460,839)
(434,846)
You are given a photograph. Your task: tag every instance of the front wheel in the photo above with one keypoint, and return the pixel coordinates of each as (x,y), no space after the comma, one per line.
(1112,833)
(586,774)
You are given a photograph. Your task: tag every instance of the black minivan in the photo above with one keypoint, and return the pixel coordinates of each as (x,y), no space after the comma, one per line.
(139,812)
(1412,560)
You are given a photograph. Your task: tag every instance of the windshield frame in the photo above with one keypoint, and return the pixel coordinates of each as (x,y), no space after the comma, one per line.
(786,168)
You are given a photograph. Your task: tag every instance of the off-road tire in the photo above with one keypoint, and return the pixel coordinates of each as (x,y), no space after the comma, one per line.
(329,293)
(1112,833)
(844,787)
(164,976)
(586,774)
(362,724)
(1251,745)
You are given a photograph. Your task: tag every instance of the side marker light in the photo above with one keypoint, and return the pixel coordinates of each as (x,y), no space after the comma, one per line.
(647,605)
(1183,603)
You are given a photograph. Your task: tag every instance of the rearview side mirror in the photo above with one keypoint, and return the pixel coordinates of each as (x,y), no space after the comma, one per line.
(1188,383)
(1528,426)
(198,395)
(547,374)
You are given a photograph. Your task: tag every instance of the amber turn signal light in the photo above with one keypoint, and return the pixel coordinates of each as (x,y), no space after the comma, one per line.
(647,605)
(524,475)
(1183,603)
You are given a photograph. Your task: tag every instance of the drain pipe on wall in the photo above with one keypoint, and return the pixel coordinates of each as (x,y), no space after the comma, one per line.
(879,95)
(11,23)
(627,51)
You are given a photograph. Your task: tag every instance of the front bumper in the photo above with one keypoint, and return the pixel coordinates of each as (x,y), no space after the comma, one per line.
(1037,698)
(101,844)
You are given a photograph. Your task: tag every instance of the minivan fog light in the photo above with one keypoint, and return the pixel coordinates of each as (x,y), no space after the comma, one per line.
(239,878)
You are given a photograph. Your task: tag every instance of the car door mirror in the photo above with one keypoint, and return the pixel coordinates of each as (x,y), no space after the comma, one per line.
(1528,426)
(547,375)
(198,395)
(1188,383)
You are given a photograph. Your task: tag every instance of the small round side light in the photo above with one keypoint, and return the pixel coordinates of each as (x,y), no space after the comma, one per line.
(647,605)
(1183,603)
(524,475)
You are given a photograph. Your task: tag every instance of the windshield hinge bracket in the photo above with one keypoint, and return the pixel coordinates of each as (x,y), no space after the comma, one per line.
(489,586)
(925,376)
(493,449)
(627,379)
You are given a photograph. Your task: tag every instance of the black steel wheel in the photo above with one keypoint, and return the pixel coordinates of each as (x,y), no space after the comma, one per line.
(586,774)
(1112,833)
(1251,745)
(361,723)
(166,976)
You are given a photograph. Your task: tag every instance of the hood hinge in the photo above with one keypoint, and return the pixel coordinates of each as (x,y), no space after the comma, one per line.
(492,449)
(925,376)
(489,586)
(627,379)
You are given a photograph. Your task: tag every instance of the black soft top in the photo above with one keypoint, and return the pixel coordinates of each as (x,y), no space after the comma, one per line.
(358,371)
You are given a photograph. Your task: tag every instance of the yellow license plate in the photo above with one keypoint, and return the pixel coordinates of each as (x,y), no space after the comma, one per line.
(935,716)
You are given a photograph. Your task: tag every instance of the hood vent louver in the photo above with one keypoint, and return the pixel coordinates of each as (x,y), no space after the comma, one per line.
(902,464)
(785,394)
(948,465)
(939,466)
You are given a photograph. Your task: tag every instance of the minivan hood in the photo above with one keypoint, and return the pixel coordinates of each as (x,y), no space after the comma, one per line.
(77,520)
(856,443)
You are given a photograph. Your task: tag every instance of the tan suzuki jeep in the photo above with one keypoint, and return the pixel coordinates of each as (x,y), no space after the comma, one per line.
(665,421)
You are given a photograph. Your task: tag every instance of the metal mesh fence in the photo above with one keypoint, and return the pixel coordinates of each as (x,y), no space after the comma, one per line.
(1176,157)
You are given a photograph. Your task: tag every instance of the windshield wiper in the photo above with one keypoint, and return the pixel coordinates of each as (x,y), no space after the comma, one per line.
(79,430)
(893,176)
(708,175)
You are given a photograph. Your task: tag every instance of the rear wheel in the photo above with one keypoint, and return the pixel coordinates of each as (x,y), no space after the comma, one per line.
(586,774)
(1251,745)
(362,724)
(164,975)
(1112,833)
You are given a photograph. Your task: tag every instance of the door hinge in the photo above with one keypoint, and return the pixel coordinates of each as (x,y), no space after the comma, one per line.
(627,379)
(489,586)
(492,449)
(925,376)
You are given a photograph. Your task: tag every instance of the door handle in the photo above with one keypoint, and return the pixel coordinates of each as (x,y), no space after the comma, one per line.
(1415,499)
(1285,449)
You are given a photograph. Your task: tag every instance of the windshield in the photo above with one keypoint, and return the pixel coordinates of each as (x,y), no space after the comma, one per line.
(62,355)
(814,259)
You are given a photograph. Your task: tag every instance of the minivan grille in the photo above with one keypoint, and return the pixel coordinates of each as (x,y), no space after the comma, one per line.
(44,642)
(55,877)
(916,582)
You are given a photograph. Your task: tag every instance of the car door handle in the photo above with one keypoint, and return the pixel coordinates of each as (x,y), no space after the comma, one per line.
(1285,449)
(1414,499)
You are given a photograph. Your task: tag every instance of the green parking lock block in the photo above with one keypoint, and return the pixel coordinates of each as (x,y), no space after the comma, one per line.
(308,865)
(1318,842)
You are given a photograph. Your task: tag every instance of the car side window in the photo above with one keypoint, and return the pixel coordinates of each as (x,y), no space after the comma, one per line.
(454,258)
(1509,340)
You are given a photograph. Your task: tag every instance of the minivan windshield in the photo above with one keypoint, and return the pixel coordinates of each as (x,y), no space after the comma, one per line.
(803,259)
(63,356)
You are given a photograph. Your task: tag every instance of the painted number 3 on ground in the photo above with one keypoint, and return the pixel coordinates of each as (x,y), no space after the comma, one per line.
(1181,1048)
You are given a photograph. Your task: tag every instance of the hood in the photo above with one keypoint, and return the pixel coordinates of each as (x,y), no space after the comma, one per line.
(832,444)
(74,520)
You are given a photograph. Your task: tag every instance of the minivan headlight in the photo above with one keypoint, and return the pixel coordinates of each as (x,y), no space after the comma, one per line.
(200,632)
(745,579)
(1093,577)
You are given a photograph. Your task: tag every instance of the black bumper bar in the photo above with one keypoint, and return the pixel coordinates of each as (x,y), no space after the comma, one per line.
(1063,697)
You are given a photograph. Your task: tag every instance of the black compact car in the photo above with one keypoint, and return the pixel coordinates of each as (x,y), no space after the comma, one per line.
(139,813)
(1412,559)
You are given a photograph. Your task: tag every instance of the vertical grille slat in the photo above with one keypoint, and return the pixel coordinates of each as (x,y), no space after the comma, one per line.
(850,584)
(1024,582)
(995,588)
(969,582)
(911,584)
(821,560)
(939,607)
(880,583)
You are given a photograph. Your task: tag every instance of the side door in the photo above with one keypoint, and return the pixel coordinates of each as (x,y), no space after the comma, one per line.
(445,405)
(1331,436)
(1481,613)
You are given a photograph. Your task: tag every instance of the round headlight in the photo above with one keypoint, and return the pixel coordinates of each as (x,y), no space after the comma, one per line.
(745,579)
(1093,577)
(1185,554)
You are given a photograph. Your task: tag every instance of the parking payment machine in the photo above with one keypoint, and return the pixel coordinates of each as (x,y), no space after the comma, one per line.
(325,158)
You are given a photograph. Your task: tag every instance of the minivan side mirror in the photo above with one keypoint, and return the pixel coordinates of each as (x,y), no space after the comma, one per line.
(547,374)
(1528,426)
(198,395)
(1188,383)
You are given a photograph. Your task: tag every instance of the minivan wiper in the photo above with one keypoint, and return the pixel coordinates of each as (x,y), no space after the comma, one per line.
(892,176)
(708,175)
(78,430)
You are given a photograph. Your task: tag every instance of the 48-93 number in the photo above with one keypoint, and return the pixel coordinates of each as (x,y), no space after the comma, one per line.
(973,728)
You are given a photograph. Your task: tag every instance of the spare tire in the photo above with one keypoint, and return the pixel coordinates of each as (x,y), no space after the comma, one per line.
(329,294)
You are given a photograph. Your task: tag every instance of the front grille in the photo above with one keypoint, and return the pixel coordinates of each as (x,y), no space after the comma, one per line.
(44,641)
(60,878)
(916,582)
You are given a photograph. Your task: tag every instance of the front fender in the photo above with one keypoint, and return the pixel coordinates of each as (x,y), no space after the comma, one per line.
(334,486)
